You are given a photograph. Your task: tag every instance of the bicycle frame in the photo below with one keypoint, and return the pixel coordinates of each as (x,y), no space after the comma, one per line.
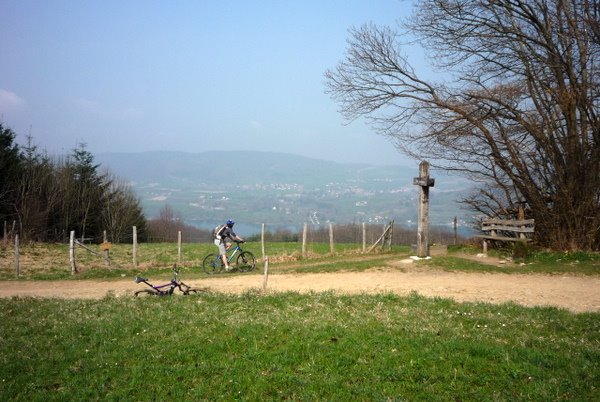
(233,253)
(174,283)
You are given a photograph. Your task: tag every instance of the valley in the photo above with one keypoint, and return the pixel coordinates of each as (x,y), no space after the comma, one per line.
(281,190)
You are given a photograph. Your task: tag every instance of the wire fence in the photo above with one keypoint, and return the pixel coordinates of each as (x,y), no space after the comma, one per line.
(188,249)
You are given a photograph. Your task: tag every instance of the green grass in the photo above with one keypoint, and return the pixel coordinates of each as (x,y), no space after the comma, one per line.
(451,263)
(337,264)
(290,346)
(257,347)
(545,262)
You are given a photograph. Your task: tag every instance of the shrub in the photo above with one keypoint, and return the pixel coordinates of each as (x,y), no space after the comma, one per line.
(520,250)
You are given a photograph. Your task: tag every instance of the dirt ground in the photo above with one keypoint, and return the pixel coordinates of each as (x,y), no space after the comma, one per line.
(576,293)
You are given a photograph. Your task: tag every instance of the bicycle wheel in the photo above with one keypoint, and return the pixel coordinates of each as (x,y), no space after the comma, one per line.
(195,291)
(212,264)
(145,293)
(245,261)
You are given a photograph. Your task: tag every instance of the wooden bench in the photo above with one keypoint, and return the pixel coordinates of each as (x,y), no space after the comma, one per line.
(506,230)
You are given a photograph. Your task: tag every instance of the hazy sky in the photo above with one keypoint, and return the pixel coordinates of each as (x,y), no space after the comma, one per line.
(193,76)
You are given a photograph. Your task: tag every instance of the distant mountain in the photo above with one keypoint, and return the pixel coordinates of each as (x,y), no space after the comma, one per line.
(237,167)
(278,189)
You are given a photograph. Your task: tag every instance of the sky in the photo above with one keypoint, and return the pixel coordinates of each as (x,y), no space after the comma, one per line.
(194,76)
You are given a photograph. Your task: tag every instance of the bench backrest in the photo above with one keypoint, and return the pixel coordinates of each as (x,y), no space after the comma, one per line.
(518,226)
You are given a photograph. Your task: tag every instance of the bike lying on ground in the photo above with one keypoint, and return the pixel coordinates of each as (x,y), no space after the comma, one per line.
(245,261)
(168,288)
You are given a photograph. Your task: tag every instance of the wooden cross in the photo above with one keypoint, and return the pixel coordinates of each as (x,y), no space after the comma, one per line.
(424,181)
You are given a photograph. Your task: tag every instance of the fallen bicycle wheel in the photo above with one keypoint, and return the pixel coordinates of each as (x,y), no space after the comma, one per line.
(146,293)
(195,291)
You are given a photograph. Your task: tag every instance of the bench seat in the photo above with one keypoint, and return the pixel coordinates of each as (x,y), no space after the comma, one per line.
(503,238)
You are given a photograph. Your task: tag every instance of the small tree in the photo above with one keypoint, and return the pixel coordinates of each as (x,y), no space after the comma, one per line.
(87,192)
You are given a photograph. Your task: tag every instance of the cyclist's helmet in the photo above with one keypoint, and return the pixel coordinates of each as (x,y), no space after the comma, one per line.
(230,223)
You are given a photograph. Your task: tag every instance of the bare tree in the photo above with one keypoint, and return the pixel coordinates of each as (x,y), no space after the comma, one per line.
(518,111)
(10,172)
(33,204)
(121,210)
(169,223)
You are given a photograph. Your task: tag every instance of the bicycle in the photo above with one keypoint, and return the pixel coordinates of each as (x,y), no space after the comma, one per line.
(244,262)
(168,288)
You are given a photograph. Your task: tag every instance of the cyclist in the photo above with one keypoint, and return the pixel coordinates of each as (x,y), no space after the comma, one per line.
(221,234)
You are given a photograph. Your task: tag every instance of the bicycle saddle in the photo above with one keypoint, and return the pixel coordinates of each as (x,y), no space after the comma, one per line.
(139,279)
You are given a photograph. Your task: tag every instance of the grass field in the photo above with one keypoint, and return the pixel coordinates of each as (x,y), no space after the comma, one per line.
(290,346)
(258,347)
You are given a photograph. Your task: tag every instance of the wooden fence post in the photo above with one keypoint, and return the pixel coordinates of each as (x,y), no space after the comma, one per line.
(331,244)
(135,262)
(383,238)
(455,225)
(72,253)
(364,237)
(105,249)
(390,235)
(262,239)
(17,266)
(179,246)
(266,274)
(304,232)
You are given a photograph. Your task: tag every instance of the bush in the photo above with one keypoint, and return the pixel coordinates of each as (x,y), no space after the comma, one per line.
(520,250)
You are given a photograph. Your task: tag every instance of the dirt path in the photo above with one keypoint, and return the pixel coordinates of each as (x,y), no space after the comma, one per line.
(575,293)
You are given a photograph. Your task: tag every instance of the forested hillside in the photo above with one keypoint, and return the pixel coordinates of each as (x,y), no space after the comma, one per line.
(43,198)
